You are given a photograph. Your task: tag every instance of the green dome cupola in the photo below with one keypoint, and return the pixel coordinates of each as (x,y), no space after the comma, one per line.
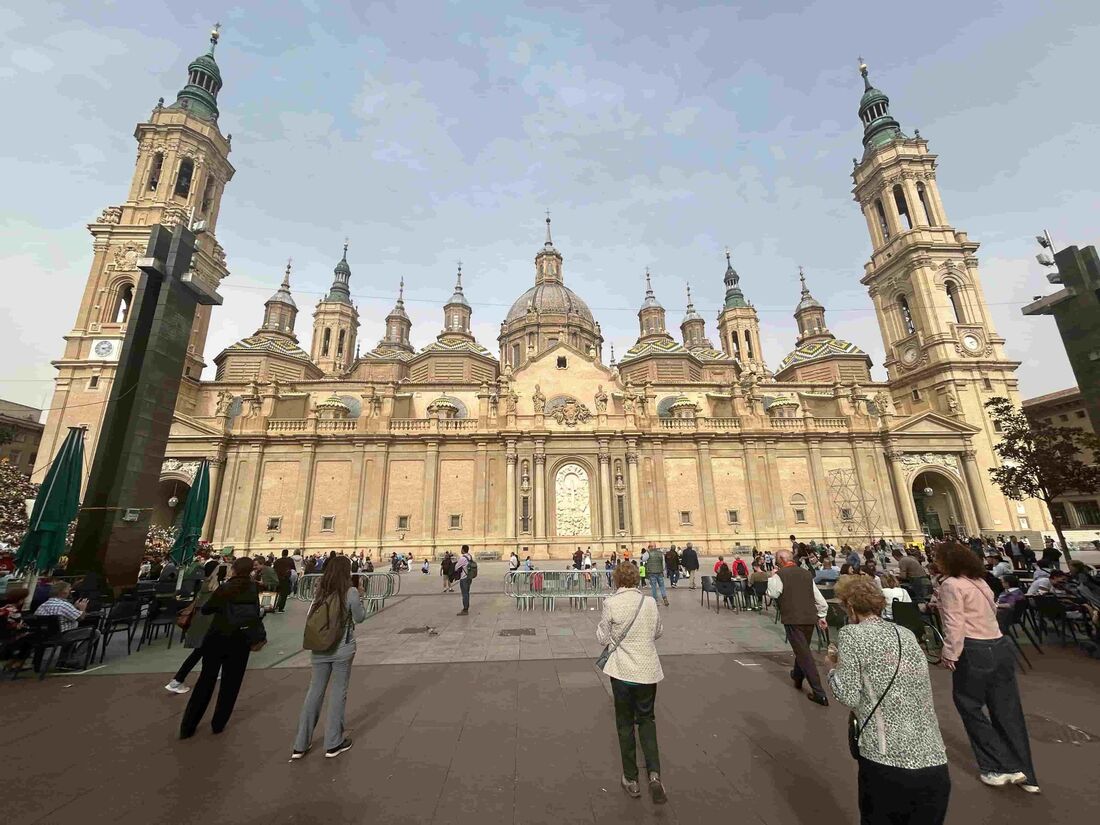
(204,81)
(340,291)
(734,296)
(879,127)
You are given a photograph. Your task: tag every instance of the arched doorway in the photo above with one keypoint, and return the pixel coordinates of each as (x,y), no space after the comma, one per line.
(171,494)
(939,511)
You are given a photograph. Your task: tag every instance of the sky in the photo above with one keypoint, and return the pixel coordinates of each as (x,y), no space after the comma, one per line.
(657,134)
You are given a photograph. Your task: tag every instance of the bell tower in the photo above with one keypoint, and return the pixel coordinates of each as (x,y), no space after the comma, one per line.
(942,352)
(336,323)
(738,324)
(181,170)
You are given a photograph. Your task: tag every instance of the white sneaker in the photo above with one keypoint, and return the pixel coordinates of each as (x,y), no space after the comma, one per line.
(176,687)
(996,780)
(1024,786)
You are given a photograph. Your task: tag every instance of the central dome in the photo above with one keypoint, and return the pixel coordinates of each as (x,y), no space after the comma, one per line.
(550,297)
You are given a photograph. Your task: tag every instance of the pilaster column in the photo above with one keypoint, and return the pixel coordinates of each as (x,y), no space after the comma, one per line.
(540,491)
(510,492)
(632,480)
(307,494)
(217,465)
(908,510)
(661,502)
(360,486)
(817,481)
(762,516)
(605,491)
(706,488)
(431,485)
(257,451)
(479,489)
(977,489)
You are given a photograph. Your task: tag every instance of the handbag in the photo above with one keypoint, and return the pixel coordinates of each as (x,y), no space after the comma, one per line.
(186,616)
(855,729)
(609,648)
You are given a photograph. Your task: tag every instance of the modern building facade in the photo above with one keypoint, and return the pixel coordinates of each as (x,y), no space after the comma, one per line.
(1079,513)
(24,426)
(324,442)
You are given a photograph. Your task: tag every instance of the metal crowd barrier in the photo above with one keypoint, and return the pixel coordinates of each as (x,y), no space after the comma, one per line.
(377,586)
(551,586)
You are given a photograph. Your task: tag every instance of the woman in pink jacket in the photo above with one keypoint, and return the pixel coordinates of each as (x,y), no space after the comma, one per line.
(984,672)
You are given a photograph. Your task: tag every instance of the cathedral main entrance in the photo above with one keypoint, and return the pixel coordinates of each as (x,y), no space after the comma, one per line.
(938,508)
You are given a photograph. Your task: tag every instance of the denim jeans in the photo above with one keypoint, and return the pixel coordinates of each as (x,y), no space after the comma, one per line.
(673,577)
(336,667)
(634,708)
(657,580)
(464,586)
(985,677)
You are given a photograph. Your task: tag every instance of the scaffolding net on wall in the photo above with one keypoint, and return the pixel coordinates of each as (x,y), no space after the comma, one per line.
(856,513)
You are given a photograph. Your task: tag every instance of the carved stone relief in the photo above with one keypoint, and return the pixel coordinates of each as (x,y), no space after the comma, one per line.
(176,466)
(572,501)
(914,461)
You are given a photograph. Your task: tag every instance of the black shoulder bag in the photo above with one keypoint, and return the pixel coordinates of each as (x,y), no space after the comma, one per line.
(855,729)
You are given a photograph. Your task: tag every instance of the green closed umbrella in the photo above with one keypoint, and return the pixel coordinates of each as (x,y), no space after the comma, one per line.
(55,507)
(194,514)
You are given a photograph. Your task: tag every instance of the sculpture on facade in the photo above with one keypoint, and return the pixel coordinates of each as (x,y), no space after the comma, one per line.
(538,401)
(225,401)
(570,412)
(601,399)
(510,402)
(571,496)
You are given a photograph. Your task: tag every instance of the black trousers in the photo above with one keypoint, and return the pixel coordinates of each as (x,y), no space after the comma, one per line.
(282,592)
(985,677)
(799,637)
(229,656)
(634,709)
(898,796)
(188,664)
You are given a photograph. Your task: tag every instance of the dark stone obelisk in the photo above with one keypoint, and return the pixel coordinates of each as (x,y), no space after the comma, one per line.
(123,483)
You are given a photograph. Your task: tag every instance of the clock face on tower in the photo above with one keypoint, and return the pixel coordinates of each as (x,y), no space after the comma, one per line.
(105,349)
(971,342)
(909,356)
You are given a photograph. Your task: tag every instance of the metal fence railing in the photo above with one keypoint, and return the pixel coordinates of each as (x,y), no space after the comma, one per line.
(577,587)
(377,586)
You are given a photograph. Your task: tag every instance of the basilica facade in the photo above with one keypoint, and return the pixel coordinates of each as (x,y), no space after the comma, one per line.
(321,441)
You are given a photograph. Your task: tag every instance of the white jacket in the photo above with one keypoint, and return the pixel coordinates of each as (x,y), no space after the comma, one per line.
(635,658)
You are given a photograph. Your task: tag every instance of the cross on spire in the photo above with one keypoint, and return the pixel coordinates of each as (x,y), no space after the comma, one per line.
(549,242)
(345,247)
(215,35)
(286,275)
(648,284)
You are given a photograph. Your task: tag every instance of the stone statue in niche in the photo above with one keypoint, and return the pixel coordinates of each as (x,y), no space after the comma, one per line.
(225,401)
(525,477)
(952,403)
(510,401)
(601,399)
(538,401)
(883,403)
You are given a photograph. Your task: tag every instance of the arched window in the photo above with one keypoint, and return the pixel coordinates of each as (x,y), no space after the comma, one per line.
(340,342)
(155,170)
(748,345)
(922,196)
(122,305)
(183,179)
(515,355)
(736,345)
(906,315)
(326,340)
(207,195)
(903,207)
(882,220)
(956,301)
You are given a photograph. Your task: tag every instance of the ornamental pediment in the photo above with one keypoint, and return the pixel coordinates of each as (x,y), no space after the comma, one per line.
(931,423)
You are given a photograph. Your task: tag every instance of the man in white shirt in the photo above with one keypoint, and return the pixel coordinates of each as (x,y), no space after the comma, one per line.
(1001,568)
(1041,584)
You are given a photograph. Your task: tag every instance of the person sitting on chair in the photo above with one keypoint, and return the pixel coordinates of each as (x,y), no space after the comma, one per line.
(73,637)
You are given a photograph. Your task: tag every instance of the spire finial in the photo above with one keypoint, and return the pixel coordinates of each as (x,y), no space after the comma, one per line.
(863,72)
(802,278)
(401,291)
(728,257)
(549,242)
(286,275)
(612,353)
(345,248)
(648,284)
(689,294)
(458,285)
(215,35)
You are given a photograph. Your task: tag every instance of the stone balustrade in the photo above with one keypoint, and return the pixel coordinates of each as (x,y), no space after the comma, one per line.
(286,425)
(411,425)
(344,425)
(792,424)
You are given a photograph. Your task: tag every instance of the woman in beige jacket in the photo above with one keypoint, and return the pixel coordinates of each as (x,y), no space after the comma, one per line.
(630,625)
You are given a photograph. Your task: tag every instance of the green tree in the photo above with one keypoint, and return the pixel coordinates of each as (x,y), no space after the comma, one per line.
(6,436)
(1039,460)
(15,489)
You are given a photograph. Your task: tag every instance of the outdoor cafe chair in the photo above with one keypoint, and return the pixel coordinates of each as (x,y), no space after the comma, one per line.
(125,614)
(908,615)
(1054,610)
(727,593)
(48,642)
(706,589)
(160,615)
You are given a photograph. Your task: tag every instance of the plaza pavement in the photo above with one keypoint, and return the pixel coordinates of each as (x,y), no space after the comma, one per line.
(470,726)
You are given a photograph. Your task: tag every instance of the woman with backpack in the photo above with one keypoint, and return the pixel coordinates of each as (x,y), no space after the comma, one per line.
(330,634)
(237,628)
